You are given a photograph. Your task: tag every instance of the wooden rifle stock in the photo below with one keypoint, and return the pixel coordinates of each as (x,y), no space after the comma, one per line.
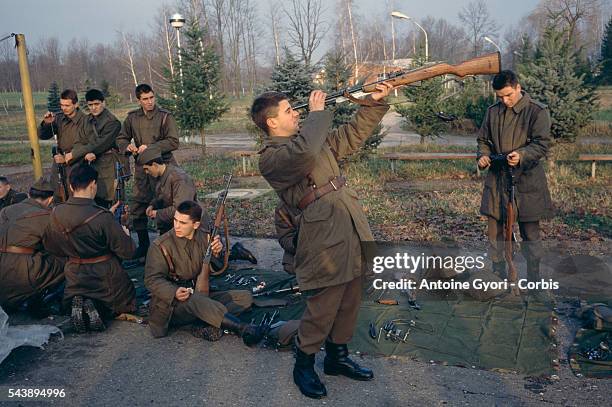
(202,282)
(61,175)
(509,235)
(484,65)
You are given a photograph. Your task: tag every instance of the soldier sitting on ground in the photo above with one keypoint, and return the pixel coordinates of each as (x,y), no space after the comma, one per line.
(173,265)
(95,245)
(9,196)
(28,274)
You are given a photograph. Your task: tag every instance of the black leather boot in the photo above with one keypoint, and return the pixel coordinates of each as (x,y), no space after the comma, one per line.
(337,363)
(76,317)
(239,252)
(305,377)
(251,334)
(94,321)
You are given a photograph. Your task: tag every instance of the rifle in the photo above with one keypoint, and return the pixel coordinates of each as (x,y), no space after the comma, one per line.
(483,65)
(122,211)
(290,282)
(501,160)
(202,283)
(61,175)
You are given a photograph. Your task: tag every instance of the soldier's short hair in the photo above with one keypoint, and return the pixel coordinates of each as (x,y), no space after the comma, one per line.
(264,107)
(69,94)
(191,208)
(94,94)
(142,88)
(505,78)
(4,180)
(82,175)
(38,194)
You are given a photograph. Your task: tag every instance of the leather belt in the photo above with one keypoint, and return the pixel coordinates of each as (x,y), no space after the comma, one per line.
(16,250)
(91,260)
(334,184)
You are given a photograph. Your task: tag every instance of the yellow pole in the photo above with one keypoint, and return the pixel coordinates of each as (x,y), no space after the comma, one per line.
(28,102)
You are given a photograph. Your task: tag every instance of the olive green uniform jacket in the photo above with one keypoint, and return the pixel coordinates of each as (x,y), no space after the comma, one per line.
(69,235)
(98,135)
(330,228)
(286,232)
(12,197)
(525,128)
(173,187)
(25,275)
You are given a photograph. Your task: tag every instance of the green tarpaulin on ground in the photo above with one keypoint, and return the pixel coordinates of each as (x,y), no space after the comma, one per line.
(503,334)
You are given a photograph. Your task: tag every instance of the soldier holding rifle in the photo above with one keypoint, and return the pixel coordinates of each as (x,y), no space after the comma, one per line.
(519,128)
(66,126)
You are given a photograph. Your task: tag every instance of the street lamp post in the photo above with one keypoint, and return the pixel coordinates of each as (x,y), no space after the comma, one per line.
(489,40)
(403,16)
(177,21)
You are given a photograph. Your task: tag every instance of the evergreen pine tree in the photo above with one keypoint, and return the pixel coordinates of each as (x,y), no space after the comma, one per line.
(293,78)
(53,98)
(551,79)
(420,115)
(198,100)
(337,74)
(605,74)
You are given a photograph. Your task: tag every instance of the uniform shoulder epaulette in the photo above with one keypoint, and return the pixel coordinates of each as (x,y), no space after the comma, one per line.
(161,239)
(161,109)
(539,104)
(131,112)
(101,207)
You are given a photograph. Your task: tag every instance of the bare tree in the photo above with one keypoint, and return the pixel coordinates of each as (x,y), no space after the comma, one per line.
(349,10)
(128,55)
(275,25)
(479,23)
(306,26)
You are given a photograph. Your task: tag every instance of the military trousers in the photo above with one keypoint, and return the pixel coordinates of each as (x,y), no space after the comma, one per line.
(331,312)
(24,276)
(531,246)
(211,309)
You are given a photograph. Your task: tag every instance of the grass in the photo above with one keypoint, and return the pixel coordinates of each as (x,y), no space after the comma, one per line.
(20,154)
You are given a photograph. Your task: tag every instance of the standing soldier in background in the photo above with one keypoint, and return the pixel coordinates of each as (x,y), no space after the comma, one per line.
(518,127)
(95,245)
(9,196)
(27,272)
(97,144)
(148,126)
(65,126)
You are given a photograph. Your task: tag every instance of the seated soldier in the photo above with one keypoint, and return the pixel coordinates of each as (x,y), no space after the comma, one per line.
(95,244)
(173,187)
(9,196)
(173,264)
(28,274)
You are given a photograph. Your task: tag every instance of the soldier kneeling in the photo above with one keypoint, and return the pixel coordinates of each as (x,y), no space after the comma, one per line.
(173,264)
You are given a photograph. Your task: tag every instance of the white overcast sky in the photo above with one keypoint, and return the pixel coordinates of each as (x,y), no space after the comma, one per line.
(99,20)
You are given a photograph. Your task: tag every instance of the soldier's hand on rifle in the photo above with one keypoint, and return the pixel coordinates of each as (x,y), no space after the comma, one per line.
(316,102)
(114,207)
(68,157)
(182,294)
(59,159)
(150,212)
(48,118)
(514,158)
(382,90)
(132,149)
(141,148)
(484,162)
(216,246)
(125,230)
(90,157)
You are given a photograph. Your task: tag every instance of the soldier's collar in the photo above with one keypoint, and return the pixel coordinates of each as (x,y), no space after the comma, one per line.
(80,201)
(521,103)
(275,140)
